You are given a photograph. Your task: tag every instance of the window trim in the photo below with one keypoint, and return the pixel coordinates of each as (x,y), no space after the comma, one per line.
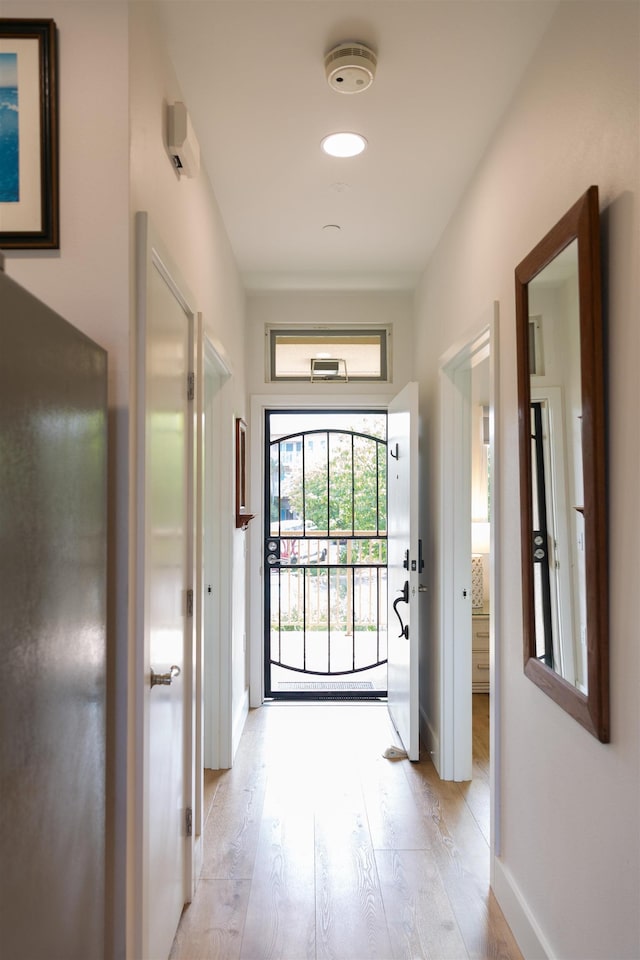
(381,331)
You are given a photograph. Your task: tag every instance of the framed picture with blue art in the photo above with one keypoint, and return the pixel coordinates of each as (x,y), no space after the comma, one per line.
(28,135)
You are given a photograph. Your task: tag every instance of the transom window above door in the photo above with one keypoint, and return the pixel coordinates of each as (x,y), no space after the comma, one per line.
(328,353)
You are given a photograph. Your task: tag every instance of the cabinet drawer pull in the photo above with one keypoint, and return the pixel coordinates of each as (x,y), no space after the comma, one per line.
(480,634)
(482,666)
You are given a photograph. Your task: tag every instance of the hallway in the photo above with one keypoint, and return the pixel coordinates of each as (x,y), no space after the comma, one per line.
(316,846)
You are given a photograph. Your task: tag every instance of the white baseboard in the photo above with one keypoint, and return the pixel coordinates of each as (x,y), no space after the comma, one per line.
(518,915)
(239,721)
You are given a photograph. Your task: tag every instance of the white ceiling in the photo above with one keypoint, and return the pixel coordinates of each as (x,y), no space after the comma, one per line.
(252,77)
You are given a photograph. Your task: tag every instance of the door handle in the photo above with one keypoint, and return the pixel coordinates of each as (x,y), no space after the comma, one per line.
(403,598)
(164,679)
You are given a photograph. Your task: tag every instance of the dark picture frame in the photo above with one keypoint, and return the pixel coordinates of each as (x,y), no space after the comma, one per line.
(29,196)
(242,515)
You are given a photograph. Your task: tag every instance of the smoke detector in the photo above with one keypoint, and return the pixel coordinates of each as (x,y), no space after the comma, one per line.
(350,67)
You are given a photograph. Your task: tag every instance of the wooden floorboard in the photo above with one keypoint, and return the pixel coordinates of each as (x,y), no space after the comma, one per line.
(280,921)
(212,926)
(419,914)
(318,848)
(350,918)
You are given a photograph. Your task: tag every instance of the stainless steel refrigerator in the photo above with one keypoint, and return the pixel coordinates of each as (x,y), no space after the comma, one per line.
(53,529)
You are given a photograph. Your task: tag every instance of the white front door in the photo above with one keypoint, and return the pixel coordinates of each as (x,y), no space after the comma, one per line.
(164,502)
(405,561)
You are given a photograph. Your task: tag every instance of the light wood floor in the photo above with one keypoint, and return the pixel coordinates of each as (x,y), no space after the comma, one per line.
(317,847)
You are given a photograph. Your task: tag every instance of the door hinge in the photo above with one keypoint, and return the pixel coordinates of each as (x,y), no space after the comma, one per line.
(189,603)
(188,821)
(191,386)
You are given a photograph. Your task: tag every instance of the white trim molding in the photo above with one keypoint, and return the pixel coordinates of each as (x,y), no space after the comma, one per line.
(519,915)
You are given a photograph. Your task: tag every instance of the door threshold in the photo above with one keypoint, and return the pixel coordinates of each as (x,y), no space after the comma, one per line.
(314,698)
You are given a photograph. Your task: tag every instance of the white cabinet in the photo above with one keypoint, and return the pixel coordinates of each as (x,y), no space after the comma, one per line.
(480,652)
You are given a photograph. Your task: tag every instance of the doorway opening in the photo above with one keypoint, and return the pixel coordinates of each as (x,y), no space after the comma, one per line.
(465,656)
(325,555)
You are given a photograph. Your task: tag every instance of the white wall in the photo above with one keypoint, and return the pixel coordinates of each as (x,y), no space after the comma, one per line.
(112,163)
(79,280)
(86,281)
(569,823)
(185,214)
(313,308)
(184,211)
(305,308)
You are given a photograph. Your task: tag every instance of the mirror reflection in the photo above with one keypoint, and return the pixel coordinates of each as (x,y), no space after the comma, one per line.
(558,536)
(563,504)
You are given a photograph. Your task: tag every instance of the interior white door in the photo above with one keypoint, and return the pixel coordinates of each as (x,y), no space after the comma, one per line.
(164,443)
(404,563)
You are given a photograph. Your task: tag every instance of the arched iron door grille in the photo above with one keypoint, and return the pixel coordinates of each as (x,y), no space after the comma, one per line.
(542,541)
(326,562)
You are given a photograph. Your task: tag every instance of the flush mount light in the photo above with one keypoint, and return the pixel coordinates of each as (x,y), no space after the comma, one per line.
(343,144)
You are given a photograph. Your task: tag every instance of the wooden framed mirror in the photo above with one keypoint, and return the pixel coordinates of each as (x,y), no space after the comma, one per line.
(562,467)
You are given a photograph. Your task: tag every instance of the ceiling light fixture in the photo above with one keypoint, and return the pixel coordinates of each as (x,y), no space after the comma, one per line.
(344,144)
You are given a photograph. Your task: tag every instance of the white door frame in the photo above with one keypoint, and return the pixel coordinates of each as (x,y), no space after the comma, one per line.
(151,254)
(455,757)
(259,404)
(211,608)
(213,562)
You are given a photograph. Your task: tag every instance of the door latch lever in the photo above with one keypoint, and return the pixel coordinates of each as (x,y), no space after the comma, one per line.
(403,598)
